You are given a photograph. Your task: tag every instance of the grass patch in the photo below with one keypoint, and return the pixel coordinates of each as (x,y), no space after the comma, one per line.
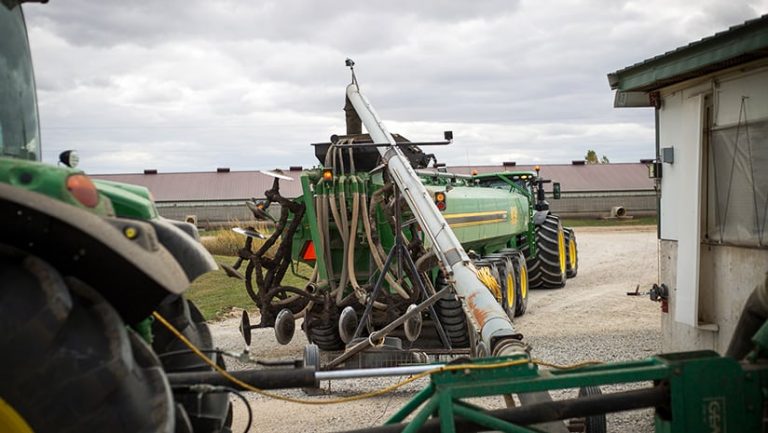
(226,242)
(637,221)
(216,294)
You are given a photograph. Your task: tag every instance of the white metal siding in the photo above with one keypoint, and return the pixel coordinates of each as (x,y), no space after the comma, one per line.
(681,128)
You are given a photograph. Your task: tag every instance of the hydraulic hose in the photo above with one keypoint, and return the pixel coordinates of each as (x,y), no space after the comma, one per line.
(376,250)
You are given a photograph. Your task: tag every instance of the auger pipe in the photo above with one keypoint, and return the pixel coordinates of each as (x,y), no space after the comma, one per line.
(494,325)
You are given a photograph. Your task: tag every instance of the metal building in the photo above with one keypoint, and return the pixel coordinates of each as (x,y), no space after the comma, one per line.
(217,197)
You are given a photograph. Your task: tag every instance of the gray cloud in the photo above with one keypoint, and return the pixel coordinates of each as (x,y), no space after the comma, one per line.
(191,85)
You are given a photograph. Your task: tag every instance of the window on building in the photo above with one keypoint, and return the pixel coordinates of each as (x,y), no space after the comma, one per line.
(737,181)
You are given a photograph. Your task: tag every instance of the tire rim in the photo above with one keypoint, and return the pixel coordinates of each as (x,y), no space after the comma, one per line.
(523,282)
(561,249)
(572,253)
(11,421)
(510,292)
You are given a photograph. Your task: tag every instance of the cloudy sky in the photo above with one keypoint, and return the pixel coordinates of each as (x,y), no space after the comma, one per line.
(191,85)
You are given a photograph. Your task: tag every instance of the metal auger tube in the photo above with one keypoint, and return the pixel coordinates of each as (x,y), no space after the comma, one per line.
(494,325)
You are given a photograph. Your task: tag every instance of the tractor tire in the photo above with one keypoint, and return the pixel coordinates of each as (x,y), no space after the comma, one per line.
(207,413)
(550,240)
(69,362)
(521,283)
(533,265)
(572,253)
(452,317)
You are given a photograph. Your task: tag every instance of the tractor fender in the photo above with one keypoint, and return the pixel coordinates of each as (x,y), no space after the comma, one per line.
(182,241)
(121,258)
(539,217)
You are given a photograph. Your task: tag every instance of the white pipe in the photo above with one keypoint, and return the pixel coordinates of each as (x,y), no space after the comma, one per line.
(375,372)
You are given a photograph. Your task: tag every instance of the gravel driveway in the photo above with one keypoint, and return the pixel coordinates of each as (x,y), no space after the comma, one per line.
(592,318)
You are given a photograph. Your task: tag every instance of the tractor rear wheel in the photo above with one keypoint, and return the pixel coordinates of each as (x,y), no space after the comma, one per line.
(572,256)
(550,240)
(69,362)
(207,413)
(452,316)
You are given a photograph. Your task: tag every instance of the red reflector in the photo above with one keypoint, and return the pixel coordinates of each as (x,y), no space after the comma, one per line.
(309,251)
(81,187)
(440,205)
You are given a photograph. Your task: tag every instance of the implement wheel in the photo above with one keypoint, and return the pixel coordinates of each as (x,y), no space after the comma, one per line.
(452,316)
(69,362)
(572,256)
(594,423)
(521,286)
(532,263)
(508,279)
(550,239)
(323,332)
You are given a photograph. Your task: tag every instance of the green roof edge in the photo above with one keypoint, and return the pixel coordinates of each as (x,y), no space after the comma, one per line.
(737,45)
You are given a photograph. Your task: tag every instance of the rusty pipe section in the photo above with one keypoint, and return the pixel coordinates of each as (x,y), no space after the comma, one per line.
(493,324)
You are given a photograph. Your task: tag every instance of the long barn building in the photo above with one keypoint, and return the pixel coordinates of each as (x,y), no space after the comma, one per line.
(217,197)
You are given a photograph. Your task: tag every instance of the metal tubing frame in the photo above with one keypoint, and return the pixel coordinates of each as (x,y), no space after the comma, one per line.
(442,400)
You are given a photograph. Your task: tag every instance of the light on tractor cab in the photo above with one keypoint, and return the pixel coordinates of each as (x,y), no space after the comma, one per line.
(327,174)
(82,188)
(308,252)
(440,201)
(537,168)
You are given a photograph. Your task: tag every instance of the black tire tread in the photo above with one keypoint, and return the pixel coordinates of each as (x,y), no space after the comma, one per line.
(572,269)
(208,412)
(117,380)
(521,303)
(452,317)
(548,252)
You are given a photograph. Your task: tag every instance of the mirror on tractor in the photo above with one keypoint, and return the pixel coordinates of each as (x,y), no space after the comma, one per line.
(69,158)
(556,190)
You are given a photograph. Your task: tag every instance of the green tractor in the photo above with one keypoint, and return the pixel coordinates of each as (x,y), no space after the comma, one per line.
(553,254)
(84,264)
(371,260)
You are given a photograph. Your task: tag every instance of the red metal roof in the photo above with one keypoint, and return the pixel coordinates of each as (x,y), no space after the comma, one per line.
(581,178)
(239,185)
(206,186)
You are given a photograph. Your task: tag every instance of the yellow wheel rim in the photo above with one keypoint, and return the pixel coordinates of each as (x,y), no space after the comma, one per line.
(510,291)
(561,249)
(523,282)
(11,421)
(572,252)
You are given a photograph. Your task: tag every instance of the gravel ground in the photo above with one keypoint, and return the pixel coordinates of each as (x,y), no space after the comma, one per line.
(592,318)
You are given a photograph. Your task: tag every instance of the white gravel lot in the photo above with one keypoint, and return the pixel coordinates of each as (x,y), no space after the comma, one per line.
(592,318)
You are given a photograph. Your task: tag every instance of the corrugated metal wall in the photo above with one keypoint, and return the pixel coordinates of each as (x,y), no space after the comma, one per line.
(573,205)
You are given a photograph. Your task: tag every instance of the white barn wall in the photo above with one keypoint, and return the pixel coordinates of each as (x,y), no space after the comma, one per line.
(709,284)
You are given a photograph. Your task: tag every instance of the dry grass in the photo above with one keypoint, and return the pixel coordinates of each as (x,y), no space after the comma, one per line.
(225,242)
